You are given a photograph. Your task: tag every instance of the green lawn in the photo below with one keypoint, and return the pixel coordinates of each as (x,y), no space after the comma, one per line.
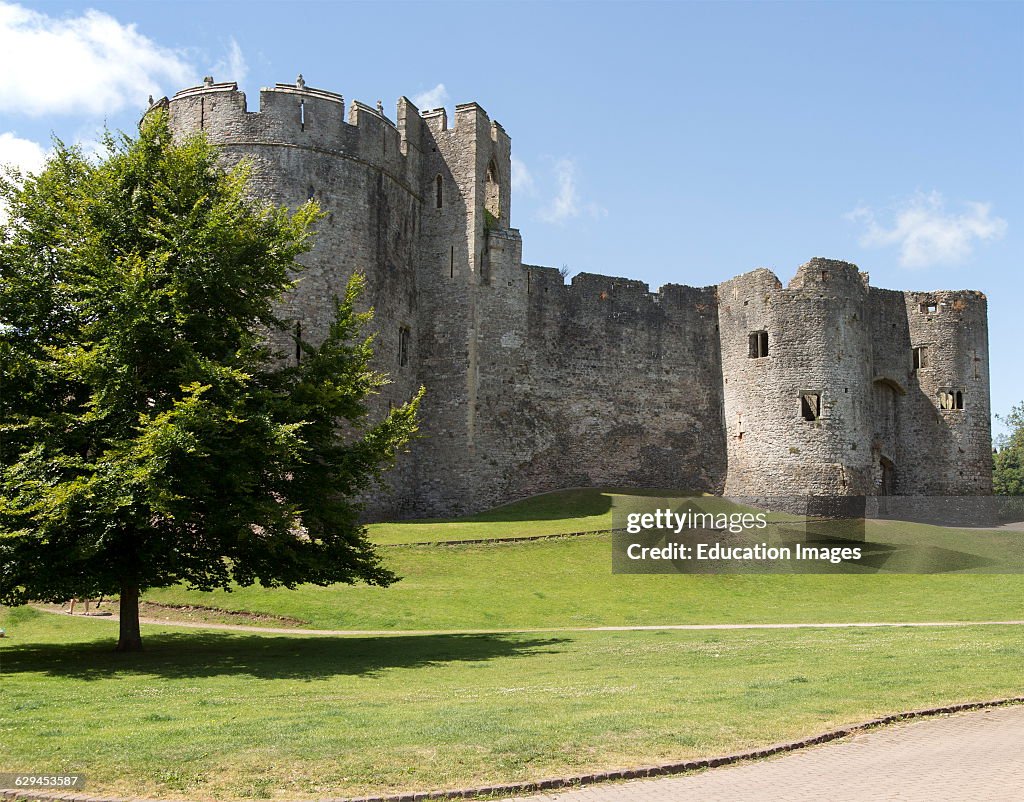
(568,583)
(216,715)
(205,715)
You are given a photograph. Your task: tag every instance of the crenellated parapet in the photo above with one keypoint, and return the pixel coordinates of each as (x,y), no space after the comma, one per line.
(299,116)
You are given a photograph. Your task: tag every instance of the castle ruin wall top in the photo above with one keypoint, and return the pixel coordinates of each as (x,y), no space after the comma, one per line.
(305,117)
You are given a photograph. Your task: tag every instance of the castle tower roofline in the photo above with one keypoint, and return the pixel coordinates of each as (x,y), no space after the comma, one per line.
(470,107)
(973,294)
(295,115)
(819,271)
(358,108)
(436,119)
(475,114)
(760,279)
(225,86)
(307,91)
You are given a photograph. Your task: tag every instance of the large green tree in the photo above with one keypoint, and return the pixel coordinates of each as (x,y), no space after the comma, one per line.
(147,434)
(1008,461)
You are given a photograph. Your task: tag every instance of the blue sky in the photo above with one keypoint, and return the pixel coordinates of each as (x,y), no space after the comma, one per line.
(671,142)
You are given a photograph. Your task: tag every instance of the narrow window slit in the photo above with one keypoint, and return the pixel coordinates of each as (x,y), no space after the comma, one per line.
(403,346)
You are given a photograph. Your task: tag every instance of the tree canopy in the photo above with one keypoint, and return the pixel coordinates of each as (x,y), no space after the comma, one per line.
(148,436)
(1008,461)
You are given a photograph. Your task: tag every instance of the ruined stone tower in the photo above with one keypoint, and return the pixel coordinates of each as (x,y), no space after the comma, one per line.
(846,389)
(827,386)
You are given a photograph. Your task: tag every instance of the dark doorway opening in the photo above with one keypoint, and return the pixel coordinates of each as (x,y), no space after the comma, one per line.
(888,486)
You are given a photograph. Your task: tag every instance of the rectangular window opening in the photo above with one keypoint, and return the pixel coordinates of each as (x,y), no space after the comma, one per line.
(758,344)
(929,307)
(951,398)
(810,405)
(921,357)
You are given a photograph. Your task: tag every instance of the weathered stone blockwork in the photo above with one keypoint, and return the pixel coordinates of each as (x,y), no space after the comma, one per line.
(748,388)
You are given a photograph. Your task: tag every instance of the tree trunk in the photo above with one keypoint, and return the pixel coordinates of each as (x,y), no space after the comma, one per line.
(130,639)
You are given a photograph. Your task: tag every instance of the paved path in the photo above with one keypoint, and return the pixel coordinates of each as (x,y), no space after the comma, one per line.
(397,633)
(404,633)
(959,758)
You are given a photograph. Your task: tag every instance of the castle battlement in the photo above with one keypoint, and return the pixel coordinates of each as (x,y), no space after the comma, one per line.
(297,115)
(824,385)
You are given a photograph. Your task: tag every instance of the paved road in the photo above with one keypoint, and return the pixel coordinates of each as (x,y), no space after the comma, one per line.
(957,758)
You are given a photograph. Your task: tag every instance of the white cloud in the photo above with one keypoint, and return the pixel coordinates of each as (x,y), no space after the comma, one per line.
(233,66)
(522,181)
(431,99)
(567,204)
(28,156)
(81,64)
(926,234)
(24,154)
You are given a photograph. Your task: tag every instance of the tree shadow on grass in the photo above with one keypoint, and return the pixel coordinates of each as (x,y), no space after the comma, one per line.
(177,656)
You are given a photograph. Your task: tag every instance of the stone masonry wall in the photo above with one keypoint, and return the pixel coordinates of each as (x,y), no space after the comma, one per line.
(596,383)
(950,449)
(748,388)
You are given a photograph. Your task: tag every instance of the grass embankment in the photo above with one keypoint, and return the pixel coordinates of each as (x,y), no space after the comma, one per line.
(581,510)
(205,715)
(568,583)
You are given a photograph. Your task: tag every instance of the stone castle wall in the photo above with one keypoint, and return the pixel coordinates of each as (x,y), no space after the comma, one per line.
(535,385)
(595,383)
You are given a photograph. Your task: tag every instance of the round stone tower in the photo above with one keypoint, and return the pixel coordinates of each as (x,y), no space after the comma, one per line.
(301,147)
(366,180)
(797,378)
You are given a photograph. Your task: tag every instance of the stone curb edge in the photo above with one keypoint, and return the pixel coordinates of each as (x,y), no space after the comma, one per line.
(663,770)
